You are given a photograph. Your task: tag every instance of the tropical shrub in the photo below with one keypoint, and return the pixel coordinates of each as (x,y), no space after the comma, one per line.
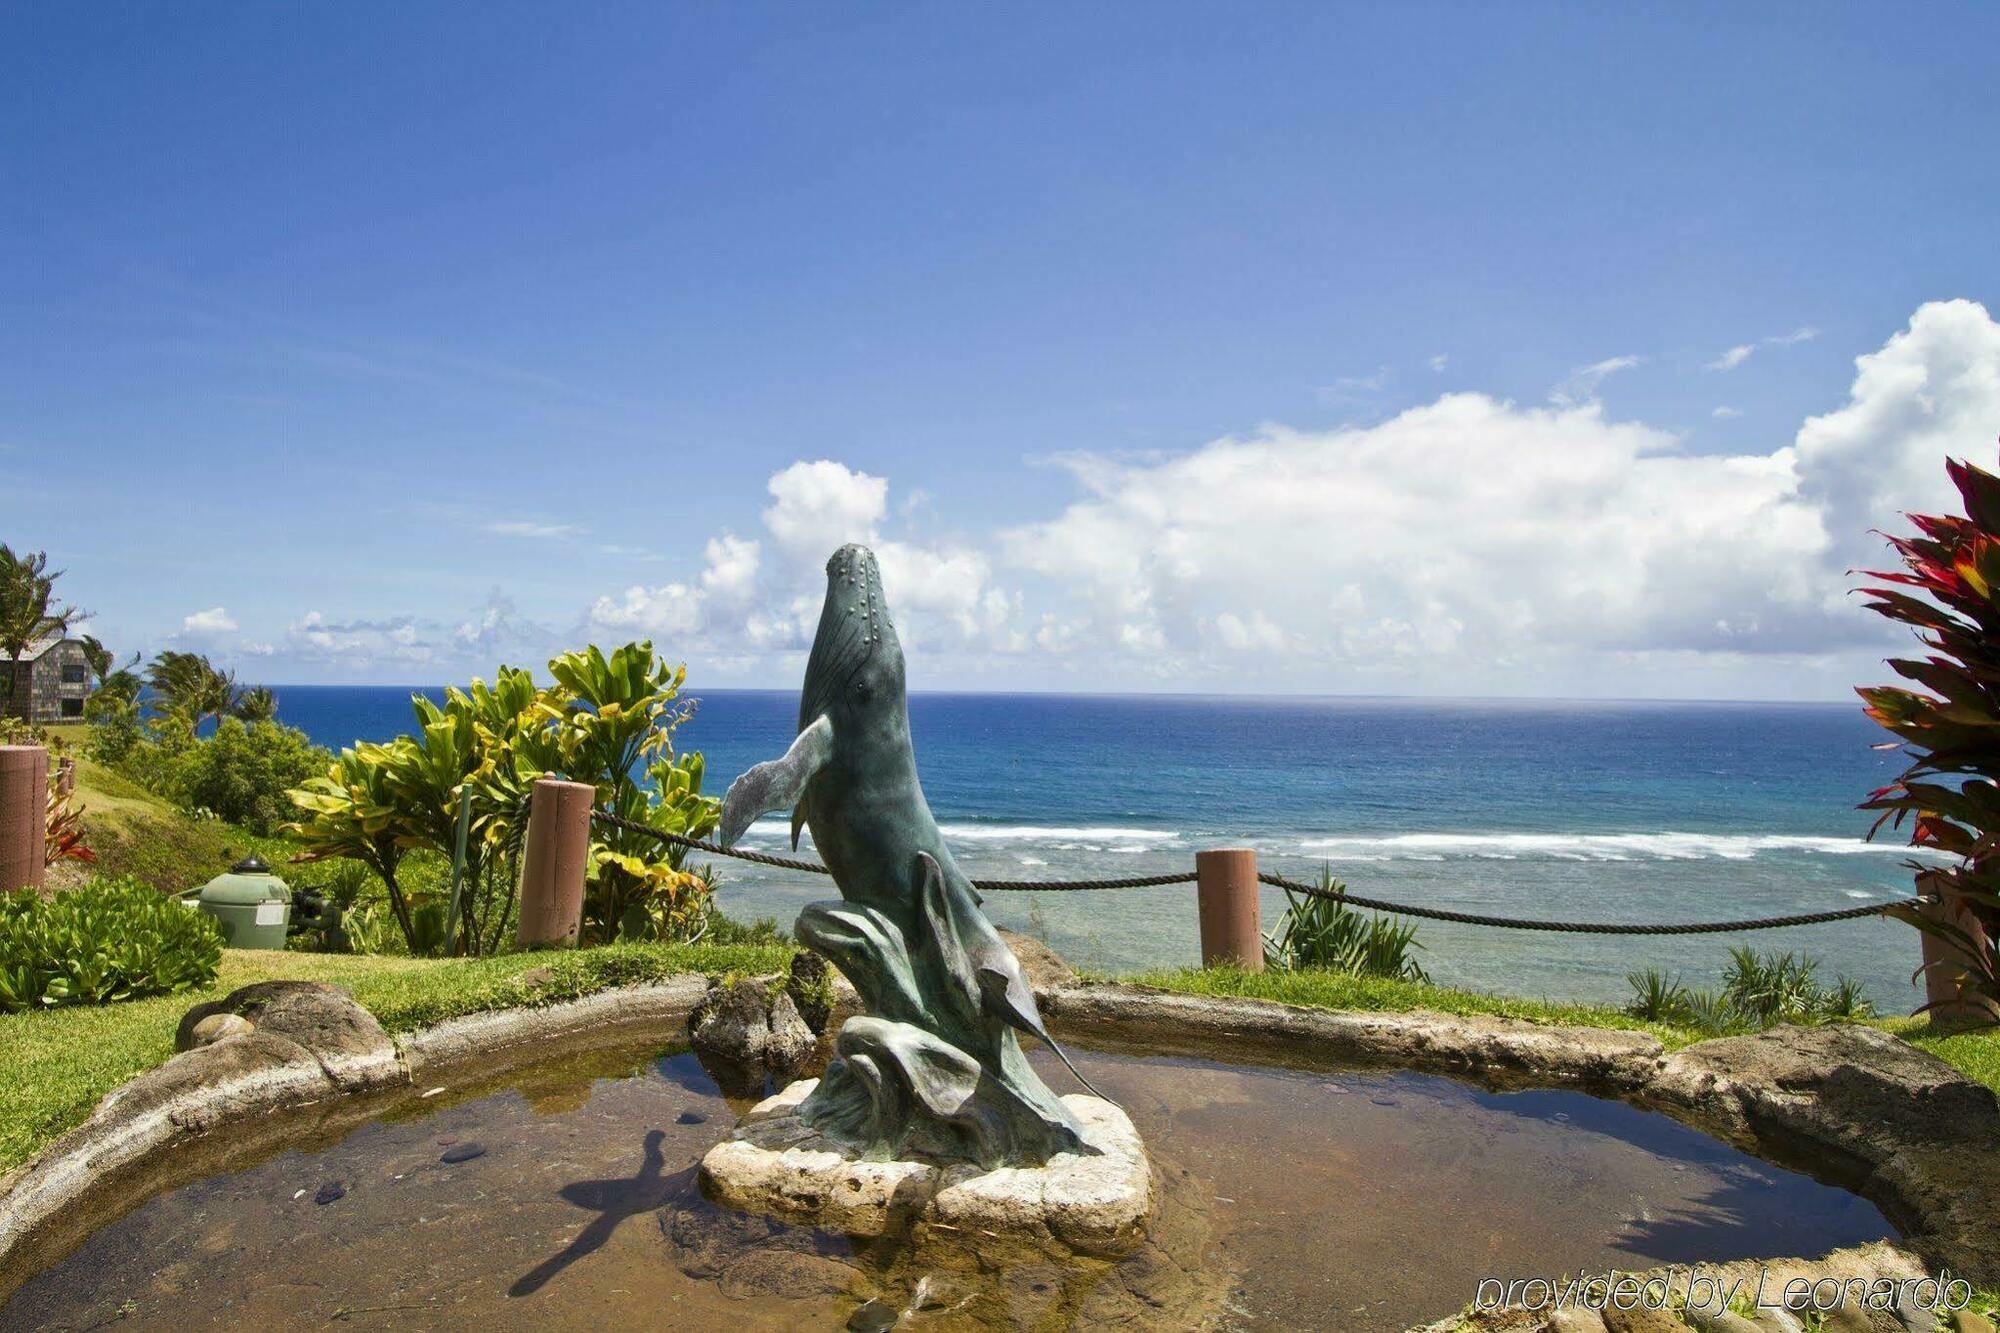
(240,774)
(459,787)
(111,940)
(1758,991)
(1324,933)
(1950,726)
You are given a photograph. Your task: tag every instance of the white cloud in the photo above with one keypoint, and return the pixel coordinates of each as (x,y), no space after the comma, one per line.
(1439,362)
(1742,352)
(1726,413)
(732,568)
(1930,392)
(215,620)
(823,505)
(744,603)
(529,528)
(1350,387)
(1581,386)
(1470,527)
(1481,537)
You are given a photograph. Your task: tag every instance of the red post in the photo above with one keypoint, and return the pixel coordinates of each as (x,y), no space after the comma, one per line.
(554,861)
(24,804)
(1945,962)
(1226,890)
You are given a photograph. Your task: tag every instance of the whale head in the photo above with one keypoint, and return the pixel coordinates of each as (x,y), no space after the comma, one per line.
(856,666)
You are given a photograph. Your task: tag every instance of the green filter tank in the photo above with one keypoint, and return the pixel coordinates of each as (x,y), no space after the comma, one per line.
(252,905)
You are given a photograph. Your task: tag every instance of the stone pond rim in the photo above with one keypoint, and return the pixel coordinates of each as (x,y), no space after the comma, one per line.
(1895,1124)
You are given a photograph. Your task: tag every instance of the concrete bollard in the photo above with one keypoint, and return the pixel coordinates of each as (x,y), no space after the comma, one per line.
(1232,930)
(554,861)
(1940,981)
(24,805)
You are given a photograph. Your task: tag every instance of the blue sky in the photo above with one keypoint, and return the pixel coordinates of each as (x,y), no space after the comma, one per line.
(1313,348)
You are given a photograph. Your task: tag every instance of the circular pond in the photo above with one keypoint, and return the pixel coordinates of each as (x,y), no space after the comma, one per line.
(565,1197)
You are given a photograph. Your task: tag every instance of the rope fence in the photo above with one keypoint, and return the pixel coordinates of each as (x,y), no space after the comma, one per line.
(1311,891)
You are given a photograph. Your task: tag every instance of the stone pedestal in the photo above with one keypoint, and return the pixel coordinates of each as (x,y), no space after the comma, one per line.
(1096,1204)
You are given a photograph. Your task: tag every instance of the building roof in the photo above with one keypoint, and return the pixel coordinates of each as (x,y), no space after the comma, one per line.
(36,648)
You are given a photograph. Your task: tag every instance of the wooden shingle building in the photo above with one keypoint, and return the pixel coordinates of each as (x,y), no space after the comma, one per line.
(50,681)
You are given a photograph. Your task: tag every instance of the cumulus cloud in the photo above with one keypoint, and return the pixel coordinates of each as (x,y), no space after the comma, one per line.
(1726,413)
(1470,526)
(215,620)
(1490,533)
(742,602)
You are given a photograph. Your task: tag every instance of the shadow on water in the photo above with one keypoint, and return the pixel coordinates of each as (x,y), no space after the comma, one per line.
(614,1201)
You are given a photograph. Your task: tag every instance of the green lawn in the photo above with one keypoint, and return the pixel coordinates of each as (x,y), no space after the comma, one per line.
(56,1064)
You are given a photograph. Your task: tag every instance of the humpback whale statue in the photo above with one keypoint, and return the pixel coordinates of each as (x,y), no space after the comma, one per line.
(932,1065)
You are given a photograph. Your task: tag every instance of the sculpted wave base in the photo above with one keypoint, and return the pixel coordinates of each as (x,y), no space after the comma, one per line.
(1095,1202)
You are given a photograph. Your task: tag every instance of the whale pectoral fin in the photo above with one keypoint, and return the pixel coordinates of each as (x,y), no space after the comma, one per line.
(938,918)
(1009,999)
(777,783)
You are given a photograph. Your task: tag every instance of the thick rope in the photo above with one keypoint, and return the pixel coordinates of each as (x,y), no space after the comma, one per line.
(1589,927)
(1310,891)
(815,868)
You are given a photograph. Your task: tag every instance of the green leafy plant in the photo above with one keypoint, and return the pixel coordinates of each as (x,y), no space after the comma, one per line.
(1950,725)
(1323,933)
(1758,991)
(479,753)
(1657,997)
(110,940)
(241,773)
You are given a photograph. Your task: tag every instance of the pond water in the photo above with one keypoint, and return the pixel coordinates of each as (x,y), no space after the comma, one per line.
(1369,1200)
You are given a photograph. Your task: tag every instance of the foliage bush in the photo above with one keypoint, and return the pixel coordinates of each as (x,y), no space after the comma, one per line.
(110,940)
(1952,733)
(1322,933)
(1758,991)
(608,720)
(242,772)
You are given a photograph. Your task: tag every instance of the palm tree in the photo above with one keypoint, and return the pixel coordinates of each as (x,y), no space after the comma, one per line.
(257,705)
(191,687)
(29,610)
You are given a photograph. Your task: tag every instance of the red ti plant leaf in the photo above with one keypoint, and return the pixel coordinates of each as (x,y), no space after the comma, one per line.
(1952,734)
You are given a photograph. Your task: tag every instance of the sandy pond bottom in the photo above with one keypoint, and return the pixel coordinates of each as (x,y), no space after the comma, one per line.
(1332,1199)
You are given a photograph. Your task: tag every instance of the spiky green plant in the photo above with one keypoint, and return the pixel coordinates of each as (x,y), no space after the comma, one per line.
(1324,933)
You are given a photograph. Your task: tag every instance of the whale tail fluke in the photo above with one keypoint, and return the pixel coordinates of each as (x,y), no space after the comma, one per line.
(1009,999)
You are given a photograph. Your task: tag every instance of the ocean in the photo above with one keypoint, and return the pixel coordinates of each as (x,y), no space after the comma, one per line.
(1619,811)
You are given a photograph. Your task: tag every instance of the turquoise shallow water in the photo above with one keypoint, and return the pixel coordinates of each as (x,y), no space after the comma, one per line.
(1607,811)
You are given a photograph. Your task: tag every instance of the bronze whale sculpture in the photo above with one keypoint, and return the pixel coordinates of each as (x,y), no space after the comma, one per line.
(932,1065)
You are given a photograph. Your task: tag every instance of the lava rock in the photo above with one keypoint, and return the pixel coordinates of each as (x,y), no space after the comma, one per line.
(331,1190)
(463,1152)
(690,1118)
(744,1024)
